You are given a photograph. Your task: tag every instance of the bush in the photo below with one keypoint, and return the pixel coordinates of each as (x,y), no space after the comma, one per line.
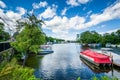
(13,71)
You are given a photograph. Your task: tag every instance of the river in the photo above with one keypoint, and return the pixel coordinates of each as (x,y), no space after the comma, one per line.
(65,64)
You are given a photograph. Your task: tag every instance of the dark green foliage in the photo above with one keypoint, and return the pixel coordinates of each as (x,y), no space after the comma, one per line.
(51,39)
(90,37)
(94,37)
(13,71)
(3,35)
(31,37)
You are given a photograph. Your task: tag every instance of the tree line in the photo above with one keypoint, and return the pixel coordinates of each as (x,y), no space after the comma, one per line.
(54,40)
(90,37)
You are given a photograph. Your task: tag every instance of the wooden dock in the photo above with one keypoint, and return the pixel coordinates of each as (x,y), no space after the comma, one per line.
(109,52)
(116,59)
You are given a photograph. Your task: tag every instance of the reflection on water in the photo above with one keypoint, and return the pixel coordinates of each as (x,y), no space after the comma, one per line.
(64,64)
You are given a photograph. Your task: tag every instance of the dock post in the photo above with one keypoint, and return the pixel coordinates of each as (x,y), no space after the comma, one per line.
(112,63)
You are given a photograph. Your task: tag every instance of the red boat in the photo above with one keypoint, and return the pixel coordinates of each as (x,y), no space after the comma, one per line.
(98,59)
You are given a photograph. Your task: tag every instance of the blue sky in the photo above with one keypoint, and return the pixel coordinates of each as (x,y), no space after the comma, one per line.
(64,18)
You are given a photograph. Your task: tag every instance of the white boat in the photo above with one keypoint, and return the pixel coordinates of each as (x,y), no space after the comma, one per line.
(45,49)
(96,58)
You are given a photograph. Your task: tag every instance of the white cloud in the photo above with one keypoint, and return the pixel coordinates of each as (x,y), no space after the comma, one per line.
(64,23)
(61,26)
(12,15)
(110,13)
(64,11)
(39,5)
(76,2)
(2,4)
(9,18)
(21,10)
(72,2)
(50,12)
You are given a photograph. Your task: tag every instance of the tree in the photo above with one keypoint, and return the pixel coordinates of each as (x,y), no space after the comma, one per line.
(51,39)
(90,37)
(118,36)
(94,37)
(31,36)
(3,35)
(85,37)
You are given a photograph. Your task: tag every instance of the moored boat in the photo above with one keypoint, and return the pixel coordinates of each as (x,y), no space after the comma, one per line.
(45,49)
(96,58)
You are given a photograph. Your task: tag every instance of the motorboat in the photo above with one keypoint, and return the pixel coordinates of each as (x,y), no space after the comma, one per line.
(45,49)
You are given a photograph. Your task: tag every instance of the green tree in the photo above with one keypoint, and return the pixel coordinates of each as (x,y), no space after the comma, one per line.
(110,38)
(90,37)
(3,35)
(51,39)
(85,37)
(31,36)
(94,37)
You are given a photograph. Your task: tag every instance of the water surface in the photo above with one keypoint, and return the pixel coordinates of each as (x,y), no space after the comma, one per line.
(65,64)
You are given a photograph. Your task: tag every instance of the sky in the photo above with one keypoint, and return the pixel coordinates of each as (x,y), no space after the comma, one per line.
(64,18)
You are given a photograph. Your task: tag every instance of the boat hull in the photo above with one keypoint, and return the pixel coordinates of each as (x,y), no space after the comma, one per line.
(95,68)
(89,59)
(43,52)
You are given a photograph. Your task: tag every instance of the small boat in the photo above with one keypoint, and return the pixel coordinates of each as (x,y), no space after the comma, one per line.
(45,49)
(97,59)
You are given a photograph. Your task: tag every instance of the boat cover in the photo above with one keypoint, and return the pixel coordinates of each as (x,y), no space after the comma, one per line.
(98,57)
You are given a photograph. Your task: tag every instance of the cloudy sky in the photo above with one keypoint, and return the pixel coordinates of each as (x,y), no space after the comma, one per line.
(64,18)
